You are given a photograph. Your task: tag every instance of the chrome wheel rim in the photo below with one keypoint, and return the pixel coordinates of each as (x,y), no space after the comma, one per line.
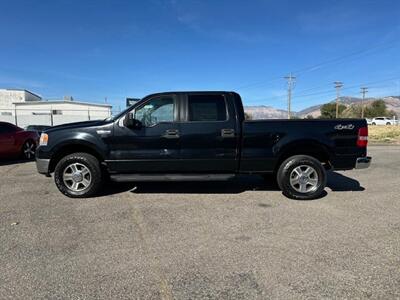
(304,179)
(29,150)
(77,177)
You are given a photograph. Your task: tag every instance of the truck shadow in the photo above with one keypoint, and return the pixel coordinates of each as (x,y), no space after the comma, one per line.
(336,182)
(340,183)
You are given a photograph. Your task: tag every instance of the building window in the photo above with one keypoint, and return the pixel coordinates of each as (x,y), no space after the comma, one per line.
(57,112)
(40,113)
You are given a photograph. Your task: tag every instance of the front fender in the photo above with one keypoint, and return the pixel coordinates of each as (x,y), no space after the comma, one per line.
(59,142)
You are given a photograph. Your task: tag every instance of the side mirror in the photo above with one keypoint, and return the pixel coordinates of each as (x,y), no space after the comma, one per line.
(130,122)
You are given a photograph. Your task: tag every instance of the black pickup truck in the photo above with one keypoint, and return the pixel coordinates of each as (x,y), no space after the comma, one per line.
(199,136)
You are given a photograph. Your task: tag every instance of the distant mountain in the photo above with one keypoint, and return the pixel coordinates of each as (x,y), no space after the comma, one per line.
(265,112)
(268,112)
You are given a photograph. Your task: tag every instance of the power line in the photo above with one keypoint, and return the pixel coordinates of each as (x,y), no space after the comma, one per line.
(290,84)
(324,63)
(344,57)
(329,91)
(326,91)
(259,83)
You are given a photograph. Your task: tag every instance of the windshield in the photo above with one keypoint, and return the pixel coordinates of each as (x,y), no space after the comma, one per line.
(117,116)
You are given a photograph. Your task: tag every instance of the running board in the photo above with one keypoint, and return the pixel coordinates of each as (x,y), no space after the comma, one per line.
(170,177)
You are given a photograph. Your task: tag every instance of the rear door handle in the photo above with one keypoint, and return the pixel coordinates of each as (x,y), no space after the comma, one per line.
(227,132)
(171,134)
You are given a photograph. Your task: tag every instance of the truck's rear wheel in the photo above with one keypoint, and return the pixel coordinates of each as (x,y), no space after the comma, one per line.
(301,177)
(78,175)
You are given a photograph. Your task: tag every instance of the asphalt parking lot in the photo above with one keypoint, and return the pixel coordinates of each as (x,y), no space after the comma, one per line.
(237,240)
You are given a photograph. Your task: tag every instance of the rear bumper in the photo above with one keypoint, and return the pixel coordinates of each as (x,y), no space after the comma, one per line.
(363,162)
(42,165)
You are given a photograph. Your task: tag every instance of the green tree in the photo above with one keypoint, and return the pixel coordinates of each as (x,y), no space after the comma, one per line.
(378,109)
(328,110)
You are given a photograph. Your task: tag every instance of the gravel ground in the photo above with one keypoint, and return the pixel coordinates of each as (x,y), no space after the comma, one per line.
(229,240)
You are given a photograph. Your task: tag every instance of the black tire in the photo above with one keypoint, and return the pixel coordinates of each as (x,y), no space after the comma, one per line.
(388,123)
(28,150)
(88,161)
(373,123)
(286,170)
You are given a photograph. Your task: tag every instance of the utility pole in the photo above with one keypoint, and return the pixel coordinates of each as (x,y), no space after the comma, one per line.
(290,84)
(338,85)
(364,90)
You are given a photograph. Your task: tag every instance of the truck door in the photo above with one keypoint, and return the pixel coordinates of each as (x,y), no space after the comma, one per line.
(209,135)
(152,148)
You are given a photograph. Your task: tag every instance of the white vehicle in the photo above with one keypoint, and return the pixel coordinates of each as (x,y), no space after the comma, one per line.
(383,121)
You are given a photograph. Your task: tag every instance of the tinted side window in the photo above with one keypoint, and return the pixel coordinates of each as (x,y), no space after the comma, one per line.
(207,108)
(155,111)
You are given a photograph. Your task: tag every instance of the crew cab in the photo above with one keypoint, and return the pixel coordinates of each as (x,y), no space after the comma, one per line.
(199,136)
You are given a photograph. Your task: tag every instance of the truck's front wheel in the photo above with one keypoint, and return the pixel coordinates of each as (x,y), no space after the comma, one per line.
(78,175)
(301,177)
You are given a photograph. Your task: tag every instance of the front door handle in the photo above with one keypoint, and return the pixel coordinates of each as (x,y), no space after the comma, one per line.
(171,134)
(228,132)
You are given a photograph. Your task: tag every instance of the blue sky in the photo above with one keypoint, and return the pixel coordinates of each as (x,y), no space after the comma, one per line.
(120,48)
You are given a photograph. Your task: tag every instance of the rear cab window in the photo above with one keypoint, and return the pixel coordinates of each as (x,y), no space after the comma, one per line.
(206,108)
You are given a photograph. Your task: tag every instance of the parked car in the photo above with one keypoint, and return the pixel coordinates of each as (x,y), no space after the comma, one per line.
(383,121)
(38,128)
(15,141)
(199,136)
(369,121)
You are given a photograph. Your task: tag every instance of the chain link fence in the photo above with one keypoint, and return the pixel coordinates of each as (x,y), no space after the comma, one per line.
(51,117)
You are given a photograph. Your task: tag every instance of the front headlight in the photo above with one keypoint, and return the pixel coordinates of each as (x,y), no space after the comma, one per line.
(44,138)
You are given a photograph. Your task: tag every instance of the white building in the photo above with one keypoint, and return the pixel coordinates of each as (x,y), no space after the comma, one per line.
(10,96)
(24,108)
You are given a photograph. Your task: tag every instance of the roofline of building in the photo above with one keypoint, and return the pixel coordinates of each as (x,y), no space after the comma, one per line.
(23,90)
(62,102)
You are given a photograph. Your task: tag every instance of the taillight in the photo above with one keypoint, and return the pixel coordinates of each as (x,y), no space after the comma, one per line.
(362,139)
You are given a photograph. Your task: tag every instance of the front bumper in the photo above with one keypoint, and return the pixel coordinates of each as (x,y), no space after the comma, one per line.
(363,162)
(42,165)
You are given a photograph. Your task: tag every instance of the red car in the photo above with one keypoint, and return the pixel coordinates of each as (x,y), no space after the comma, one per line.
(15,141)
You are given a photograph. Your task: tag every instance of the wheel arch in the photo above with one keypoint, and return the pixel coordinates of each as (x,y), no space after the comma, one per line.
(69,148)
(304,147)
